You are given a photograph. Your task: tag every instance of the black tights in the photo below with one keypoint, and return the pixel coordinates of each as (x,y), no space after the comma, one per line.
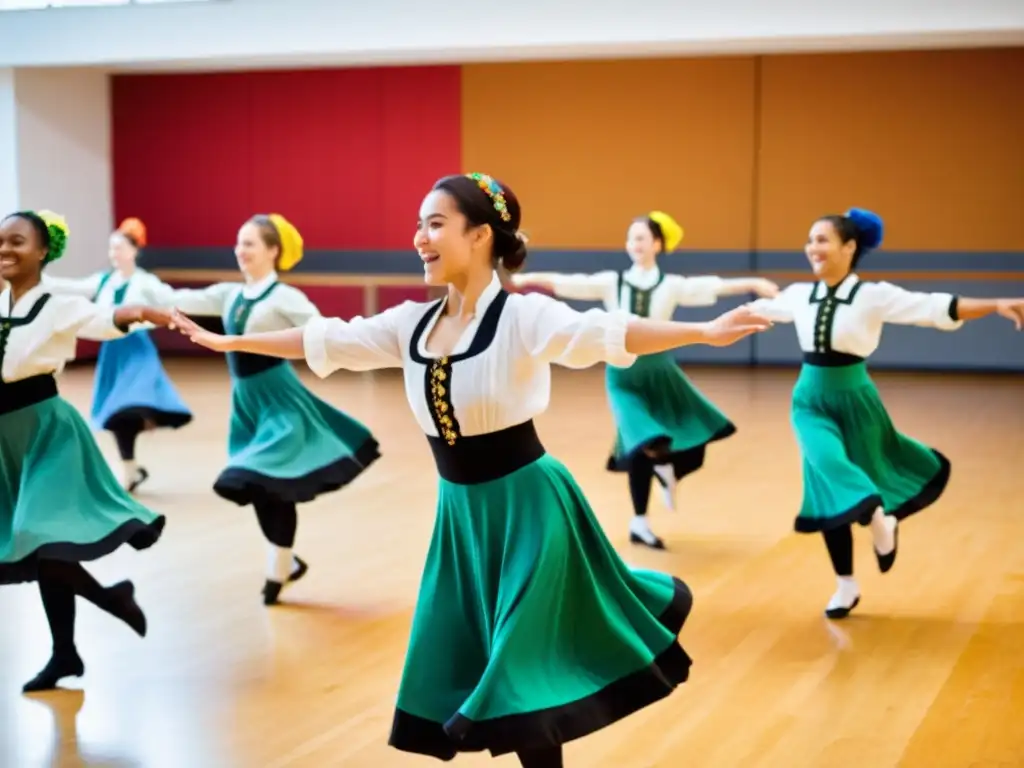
(126,436)
(839,542)
(546,757)
(59,583)
(278,521)
(641,472)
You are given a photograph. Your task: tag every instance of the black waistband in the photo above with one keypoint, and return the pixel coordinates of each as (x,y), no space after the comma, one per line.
(483,458)
(243,364)
(21,394)
(831,359)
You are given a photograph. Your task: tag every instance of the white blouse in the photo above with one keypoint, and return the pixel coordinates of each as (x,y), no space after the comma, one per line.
(651,291)
(40,338)
(499,373)
(849,319)
(282,308)
(142,287)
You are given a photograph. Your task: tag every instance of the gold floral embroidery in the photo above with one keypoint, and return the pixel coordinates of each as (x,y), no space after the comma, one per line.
(440,400)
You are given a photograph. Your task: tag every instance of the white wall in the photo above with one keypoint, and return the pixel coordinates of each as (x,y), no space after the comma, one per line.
(8,144)
(64,162)
(230,33)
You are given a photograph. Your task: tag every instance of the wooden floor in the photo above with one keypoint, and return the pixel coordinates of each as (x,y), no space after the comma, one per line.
(929,672)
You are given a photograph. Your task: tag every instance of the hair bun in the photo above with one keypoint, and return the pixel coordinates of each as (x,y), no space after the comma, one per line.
(869,227)
(135,229)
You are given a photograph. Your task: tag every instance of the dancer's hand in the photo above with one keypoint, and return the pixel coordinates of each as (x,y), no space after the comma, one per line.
(129,315)
(1012,310)
(199,335)
(735,325)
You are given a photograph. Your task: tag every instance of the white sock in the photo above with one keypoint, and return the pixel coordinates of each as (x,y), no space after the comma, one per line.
(280,564)
(883,531)
(131,471)
(846,592)
(640,527)
(667,474)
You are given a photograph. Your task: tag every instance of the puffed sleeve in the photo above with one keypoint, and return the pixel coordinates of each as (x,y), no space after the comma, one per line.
(77,316)
(359,344)
(700,291)
(556,333)
(780,308)
(582,287)
(74,286)
(296,306)
(902,307)
(195,301)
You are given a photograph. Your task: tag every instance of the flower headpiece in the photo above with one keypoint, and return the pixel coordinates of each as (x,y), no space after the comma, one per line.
(57,230)
(494,191)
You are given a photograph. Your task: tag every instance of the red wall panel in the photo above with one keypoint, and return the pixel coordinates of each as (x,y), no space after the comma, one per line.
(346,154)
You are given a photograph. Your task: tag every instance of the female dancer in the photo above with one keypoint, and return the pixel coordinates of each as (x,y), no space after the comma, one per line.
(663,423)
(529,630)
(285,446)
(60,504)
(131,392)
(856,466)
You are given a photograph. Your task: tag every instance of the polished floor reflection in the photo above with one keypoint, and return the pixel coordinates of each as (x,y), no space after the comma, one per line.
(927,674)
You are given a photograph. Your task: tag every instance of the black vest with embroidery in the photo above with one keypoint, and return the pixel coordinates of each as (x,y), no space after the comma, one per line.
(639,298)
(35,389)
(480,458)
(824,322)
(244,364)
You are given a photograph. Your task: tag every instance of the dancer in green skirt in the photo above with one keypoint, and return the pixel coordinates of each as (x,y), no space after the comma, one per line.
(529,630)
(60,504)
(663,423)
(856,466)
(286,446)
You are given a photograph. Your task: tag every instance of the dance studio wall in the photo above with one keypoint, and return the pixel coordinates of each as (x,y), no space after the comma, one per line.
(745,151)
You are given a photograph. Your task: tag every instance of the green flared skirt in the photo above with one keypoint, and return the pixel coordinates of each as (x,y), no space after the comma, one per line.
(529,630)
(287,445)
(657,409)
(59,498)
(853,458)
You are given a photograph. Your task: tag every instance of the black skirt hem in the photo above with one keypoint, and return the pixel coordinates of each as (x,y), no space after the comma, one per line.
(137,417)
(135,533)
(555,726)
(862,511)
(244,486)
(685,462)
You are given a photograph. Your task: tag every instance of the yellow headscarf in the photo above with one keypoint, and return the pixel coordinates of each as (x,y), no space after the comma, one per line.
(669,228)
(291,242)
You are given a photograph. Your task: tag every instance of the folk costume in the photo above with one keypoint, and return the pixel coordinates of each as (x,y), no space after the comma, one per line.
(529,630)
(131,390)
(60,504)
(286,446)
(663,422)
(857,468)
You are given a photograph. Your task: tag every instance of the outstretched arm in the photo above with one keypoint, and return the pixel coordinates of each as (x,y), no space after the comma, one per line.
(975,309)
(579,286)
(939,310)
(556,333)
(326,343)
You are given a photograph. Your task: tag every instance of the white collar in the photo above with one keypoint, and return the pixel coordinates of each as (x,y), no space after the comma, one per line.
(253,290)
(843,290)
(27,300)
(643,278)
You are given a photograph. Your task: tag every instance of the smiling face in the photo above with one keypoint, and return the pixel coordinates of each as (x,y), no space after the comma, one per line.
(641,245)
(122,252)
(21,251)
(255,257)
(830,258)
(448,246)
